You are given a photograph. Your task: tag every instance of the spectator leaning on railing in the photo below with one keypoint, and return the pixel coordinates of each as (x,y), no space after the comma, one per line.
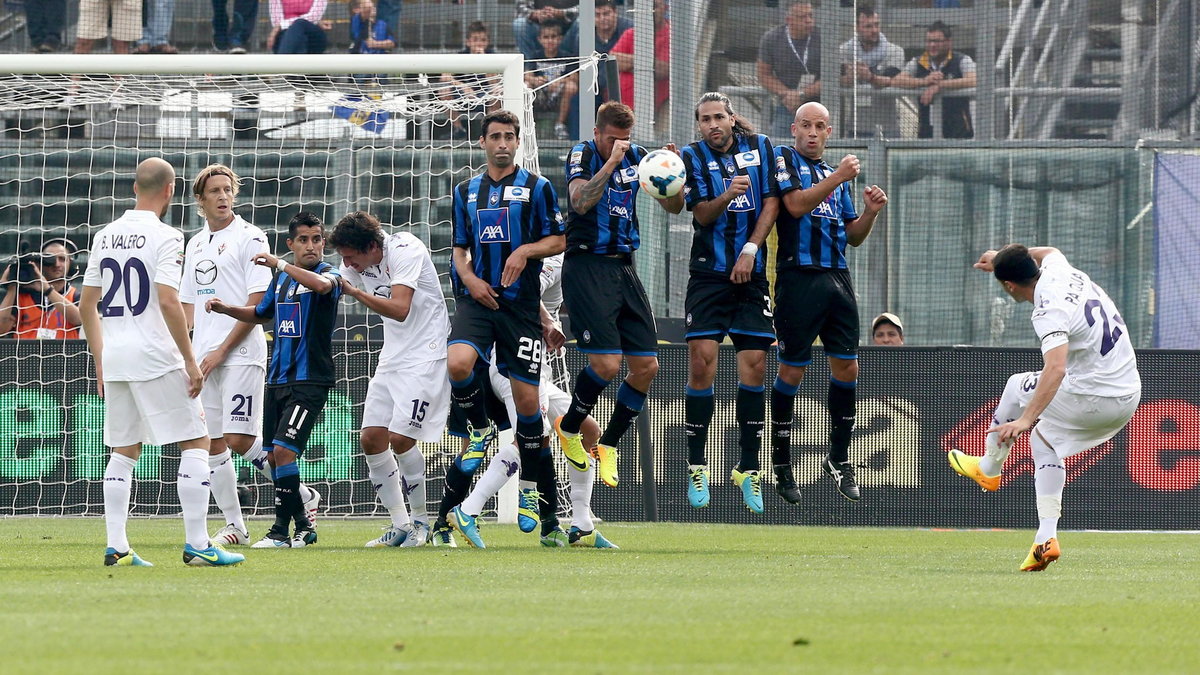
(38,303)
(939,69)
(868,58)
(789,65)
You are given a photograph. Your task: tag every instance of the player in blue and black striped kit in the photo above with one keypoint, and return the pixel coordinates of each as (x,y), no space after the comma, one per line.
(611,317)
(813,294)
(506,220)
(302,301)
(733,197)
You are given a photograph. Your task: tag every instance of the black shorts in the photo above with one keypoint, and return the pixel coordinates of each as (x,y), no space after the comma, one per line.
(290,413)
(497,412)
(515,330)
(811,302)
(610,313)
(716,306)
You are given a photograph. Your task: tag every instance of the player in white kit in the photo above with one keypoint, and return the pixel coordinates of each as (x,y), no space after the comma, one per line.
(233,354)
(145,370)
(408,398)
(1086,392)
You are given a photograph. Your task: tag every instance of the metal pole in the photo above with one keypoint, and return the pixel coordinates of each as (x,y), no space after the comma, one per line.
(587,45)
(646,460)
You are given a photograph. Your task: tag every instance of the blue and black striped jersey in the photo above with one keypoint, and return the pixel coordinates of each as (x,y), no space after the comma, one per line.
(816,239)
(716,247)
(302,350)
(492,219)
(611,226)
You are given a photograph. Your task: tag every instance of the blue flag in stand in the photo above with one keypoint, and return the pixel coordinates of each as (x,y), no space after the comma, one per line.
(368,120)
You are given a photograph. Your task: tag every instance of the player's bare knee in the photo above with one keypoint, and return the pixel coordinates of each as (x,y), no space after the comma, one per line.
(844,370)
(373,440)
(401,444)
(606,365)
(792,375)
(216,446)
(239,443)
(643,369)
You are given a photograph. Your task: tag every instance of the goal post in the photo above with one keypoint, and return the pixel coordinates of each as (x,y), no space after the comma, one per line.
(322,133)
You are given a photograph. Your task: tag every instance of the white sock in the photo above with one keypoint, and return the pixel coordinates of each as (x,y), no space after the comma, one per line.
(582,483)
(258,459)
(306,493)
(193,486)
(505,464)
(118,485)
(385,477)
(1049,477)
(1008,409)
(412,469)
(223,480)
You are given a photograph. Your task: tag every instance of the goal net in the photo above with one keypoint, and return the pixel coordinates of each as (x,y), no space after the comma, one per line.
(389,134)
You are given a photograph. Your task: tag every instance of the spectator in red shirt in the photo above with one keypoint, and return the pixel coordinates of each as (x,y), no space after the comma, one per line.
(623,53)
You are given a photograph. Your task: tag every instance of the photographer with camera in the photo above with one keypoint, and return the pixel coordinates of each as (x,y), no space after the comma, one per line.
(38,303)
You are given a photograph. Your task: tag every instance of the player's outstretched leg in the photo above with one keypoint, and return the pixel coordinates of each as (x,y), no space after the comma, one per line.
(1048,481)
(985,470)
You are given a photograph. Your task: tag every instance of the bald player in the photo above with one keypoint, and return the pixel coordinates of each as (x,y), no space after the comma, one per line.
(813,293)
(145,369)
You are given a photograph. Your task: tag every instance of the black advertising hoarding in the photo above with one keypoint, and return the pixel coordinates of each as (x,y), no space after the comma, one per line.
(914,405)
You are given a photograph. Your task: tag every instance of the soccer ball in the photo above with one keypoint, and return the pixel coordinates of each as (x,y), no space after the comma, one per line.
(661,174)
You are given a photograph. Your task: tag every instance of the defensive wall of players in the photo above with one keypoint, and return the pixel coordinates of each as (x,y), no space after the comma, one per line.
(914,405)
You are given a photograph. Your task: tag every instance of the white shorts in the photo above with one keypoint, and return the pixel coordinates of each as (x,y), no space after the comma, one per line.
(157,412)
(1073,422)
(233,398)
(413,401)
(126,19)
(552,401)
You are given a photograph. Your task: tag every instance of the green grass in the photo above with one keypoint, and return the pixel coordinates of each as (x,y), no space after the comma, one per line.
(683,598)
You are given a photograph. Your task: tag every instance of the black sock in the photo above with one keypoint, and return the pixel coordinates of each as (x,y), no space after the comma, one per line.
(698,413)
(283,517)
(587,391)
(629,403)
(457,485)
(287,491)
(783,403)
(841,418)
(468,396)
(529,444)
(548,487)
(751,414)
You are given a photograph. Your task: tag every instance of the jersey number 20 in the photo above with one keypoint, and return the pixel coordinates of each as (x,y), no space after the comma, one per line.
(131,274)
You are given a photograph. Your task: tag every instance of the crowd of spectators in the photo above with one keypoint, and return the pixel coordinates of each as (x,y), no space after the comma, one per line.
(546,32)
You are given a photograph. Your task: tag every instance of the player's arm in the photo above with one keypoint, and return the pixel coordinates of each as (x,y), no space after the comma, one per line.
(238,333)
(859,229)
(1054,369)
(542,248)
(584,194)
(552,333)
(480,290)
(707,212)
(172,311)
(317,283)
(1039,253)
(8,309)
(247,314)
(396,307)
(744,266)
(89,310)
(804,200)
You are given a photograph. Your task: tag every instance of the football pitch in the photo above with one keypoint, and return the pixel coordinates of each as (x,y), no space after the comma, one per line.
(675,598)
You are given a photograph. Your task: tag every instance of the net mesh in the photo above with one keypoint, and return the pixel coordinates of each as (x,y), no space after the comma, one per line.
(393,145)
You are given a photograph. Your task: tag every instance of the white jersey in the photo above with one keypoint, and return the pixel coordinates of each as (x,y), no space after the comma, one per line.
(220,265)
(1070,309)
(130,257)
(422,336)
(551,283)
